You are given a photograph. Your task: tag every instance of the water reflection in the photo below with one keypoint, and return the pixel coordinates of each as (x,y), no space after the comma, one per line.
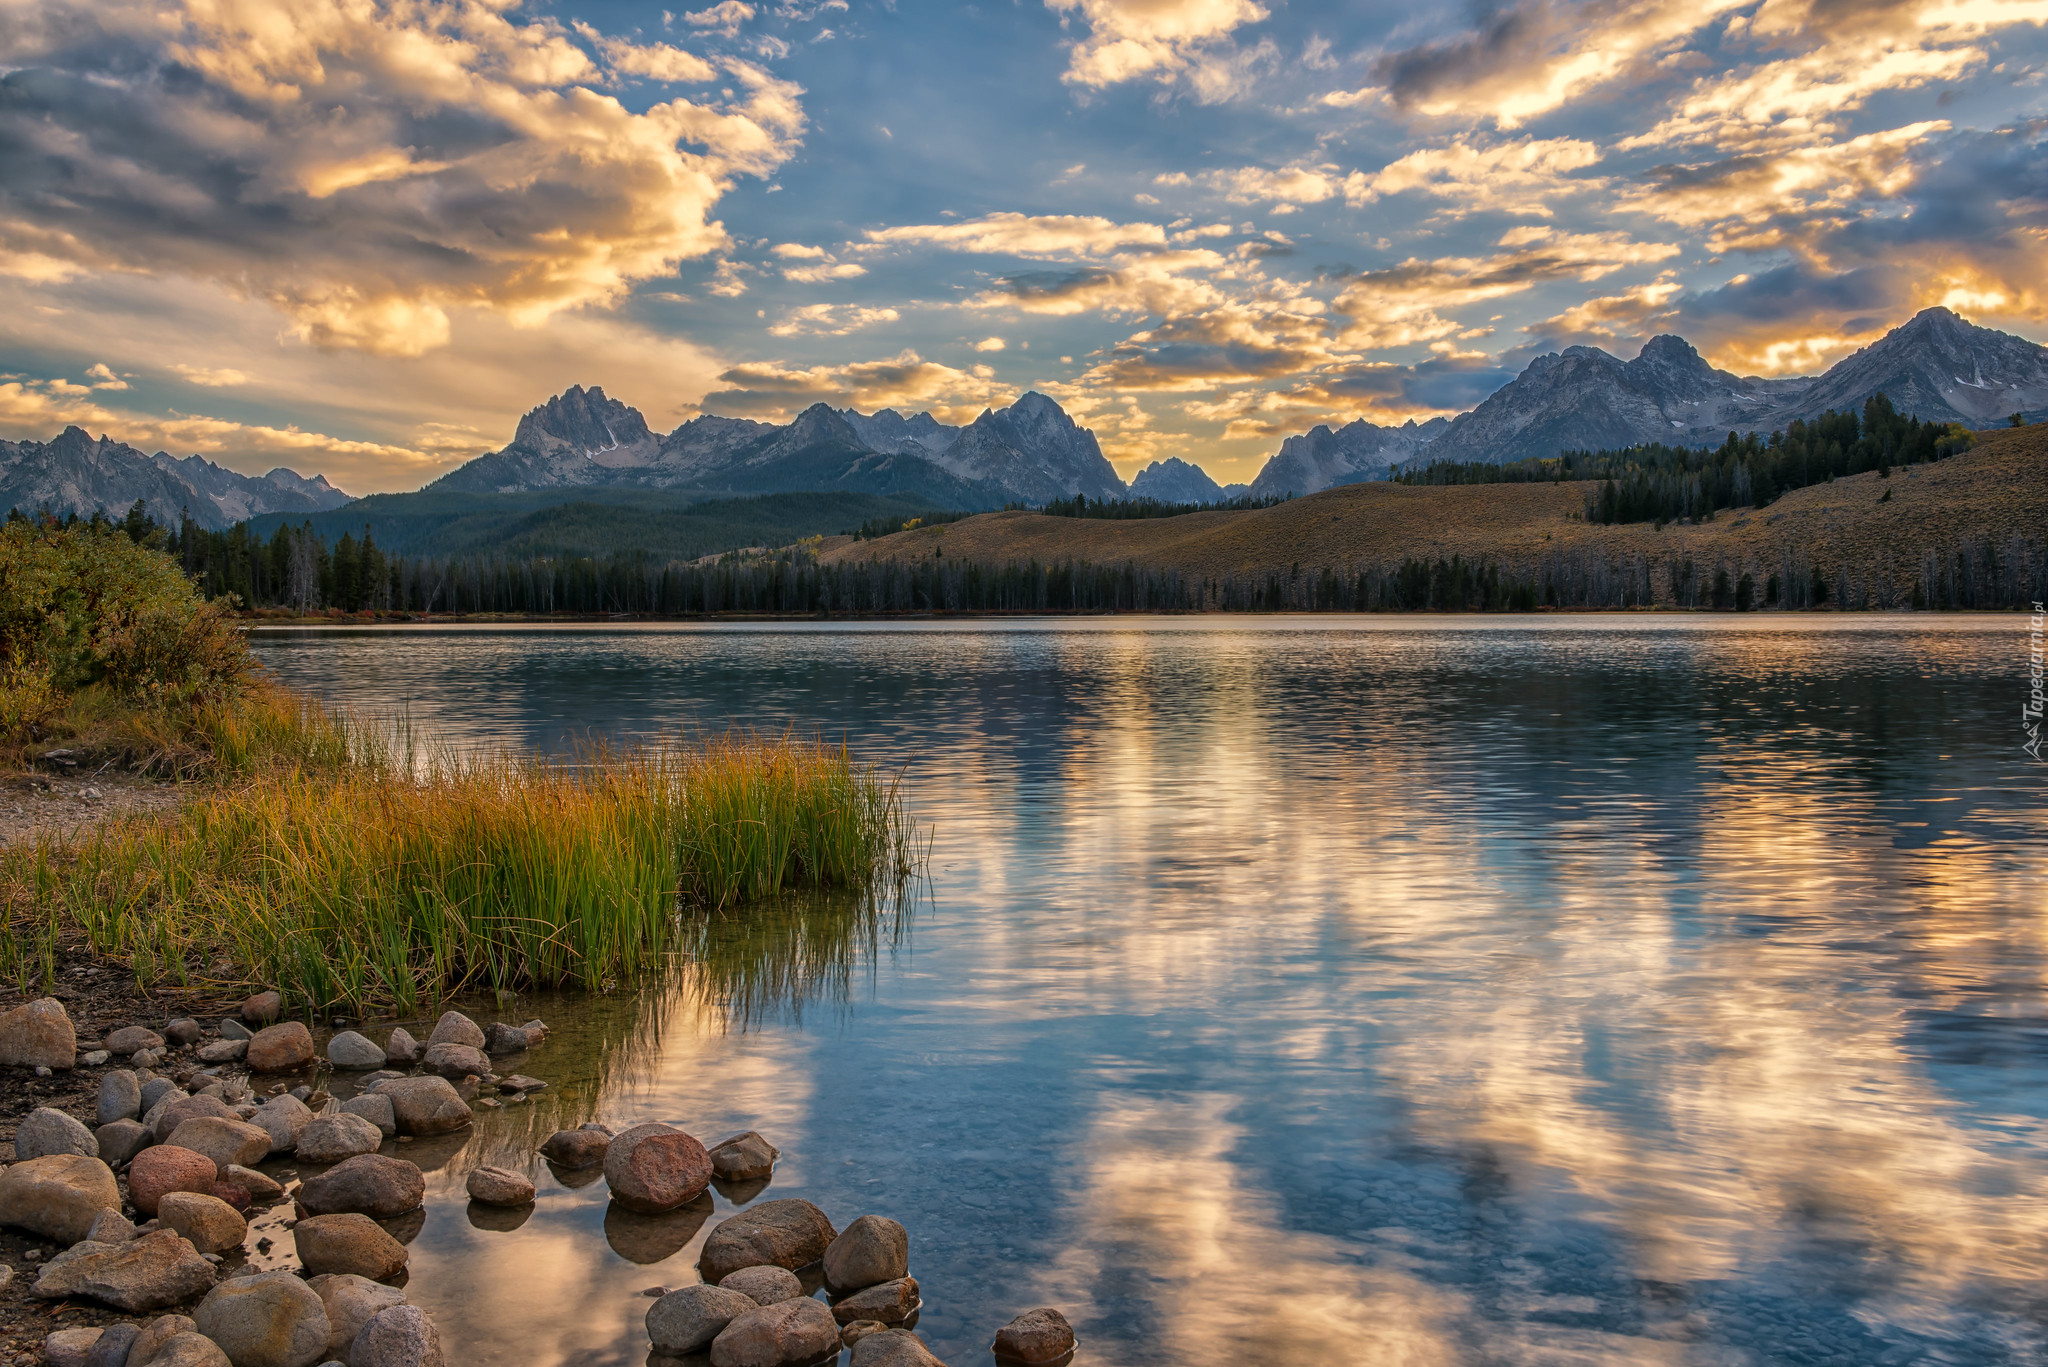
(1329,992)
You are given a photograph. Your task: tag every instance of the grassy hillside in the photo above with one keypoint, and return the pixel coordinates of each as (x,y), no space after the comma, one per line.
(1992,493)
(577,522)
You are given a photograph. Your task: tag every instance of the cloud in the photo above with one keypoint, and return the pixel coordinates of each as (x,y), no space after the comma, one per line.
(1053,236)
(1162,40)
(1290,185)
(906,380)
(655,61)
(209,378)
(1520,177)
(1631,313)
(725,16)
(365,168)
(103,377)
(831,320)
(1380,392)
(990,344)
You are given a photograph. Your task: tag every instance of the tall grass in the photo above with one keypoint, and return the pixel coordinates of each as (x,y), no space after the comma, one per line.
(346,869)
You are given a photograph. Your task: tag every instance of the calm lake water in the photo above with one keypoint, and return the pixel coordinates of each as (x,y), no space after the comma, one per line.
(1319,990)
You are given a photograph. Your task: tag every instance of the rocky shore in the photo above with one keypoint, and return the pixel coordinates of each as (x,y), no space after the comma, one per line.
(137,1210)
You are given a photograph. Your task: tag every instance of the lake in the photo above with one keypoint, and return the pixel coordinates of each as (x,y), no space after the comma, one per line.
(1326,990)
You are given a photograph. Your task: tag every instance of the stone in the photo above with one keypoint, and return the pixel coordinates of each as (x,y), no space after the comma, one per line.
(114,1342)
(70,1347)
(208,1223)
(120,1097)
(38,1035)
(261,1186)
(348,1243)
(156,1334)
(782,1335)
(121,1140)
(234,1193)
(375,1109)
(332,1138)
(499,1187)
(764,1285)
(1035,1336)
(892,1348)
(402,1048)
(402,1336)
(57,1196)
(234,1029)
(261,1009)
(505,1039)
(269,1320)
(351,1302)
(131,1039)
(175,1110)
(355,1053)
(110,1227)
(224,1051)
(456,1061)
(157,1172)
(536,1033)
(426,1105)
(45,1131)
(686,1321)
(850,1334)
(184,1030)
(868,1252)
(584,1148)
(370,1184)
(653,1168)
(789,1233)
(280,1048)
(223,1138)
(519,1084)
(282,1117)
(148,1272)
(96,1057)
(456,1028)
(189,1350)
(744,1157)
(155,1089)
(892,1303)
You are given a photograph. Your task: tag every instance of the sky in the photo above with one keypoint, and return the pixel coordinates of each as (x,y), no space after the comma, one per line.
(361,237)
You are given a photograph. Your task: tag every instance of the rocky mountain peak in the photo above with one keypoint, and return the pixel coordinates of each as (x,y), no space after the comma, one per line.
(584,421)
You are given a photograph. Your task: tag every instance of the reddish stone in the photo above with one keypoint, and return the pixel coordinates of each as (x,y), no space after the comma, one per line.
(157,1172)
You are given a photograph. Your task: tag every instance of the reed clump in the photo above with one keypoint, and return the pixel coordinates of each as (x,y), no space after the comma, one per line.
(346,869)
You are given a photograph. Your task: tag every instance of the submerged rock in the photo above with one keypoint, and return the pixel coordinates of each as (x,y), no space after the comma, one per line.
(744,1157)
(369,1184)
(148,1272)
(790,1233)
(872,1250)
(655,1168)
(786,1334)
(38,1035)
(686,1321)
(45,1131)
(269,1320)
(57,1197)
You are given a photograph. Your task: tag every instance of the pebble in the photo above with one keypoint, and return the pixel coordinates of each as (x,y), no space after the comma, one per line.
(133,1039)
(94,1058)
(69,1347)
(224,1051)
(184,1030)
(234,1029)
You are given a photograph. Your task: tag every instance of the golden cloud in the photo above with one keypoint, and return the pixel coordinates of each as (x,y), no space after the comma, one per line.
(1159,40)
(906,380)
(1520,177)
(1051,236)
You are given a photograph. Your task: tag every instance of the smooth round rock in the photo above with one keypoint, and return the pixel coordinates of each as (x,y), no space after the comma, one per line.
(332,1138)
(351,1303)
(156,1334)
(133,1039)
(175,1110)
(38,1035)
(261,1009)
(46,1131)
(850,1334)
(426,1105)
(112,1349)
(500,1187)
(155,1089)
(208,1223)
(184,1030)
(872,1250)
(789,1233)
(375,1109)
(584,1148)
(122,1140)
(403,1336)
(261,1186)
(282,1117)
(686,1321)
(1035,1336)
(157,1172)
(402,1050)
(280,1048)
(655,1168)
(456,1061)
(783,1335)
(226,1140)
(765,1285)
(892,1348)
(456,1028)
(188,1350)
(370,1184)
(892,1303)
(58,1196)
(224,1051)
(355,1053)
(744,1158)
(120,1097)
(148,1272)
(269,1320)
(348,1243)
(70,1347)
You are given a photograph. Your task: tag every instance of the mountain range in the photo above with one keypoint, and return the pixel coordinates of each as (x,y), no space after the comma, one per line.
(1937,366)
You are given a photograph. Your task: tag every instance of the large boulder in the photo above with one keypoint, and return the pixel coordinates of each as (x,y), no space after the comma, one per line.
(456,1028)
(157,1172)
(786,1334)
(1035,1336)
(38,1035)
(892,1348)
(790,1233)
(280,1048)
(426,1105)
(146,1273)
(890,1303)
(765,1285)
(348,1243)
(456,1060)
(579,1148)
(133,1039)
(175,1110)
(282,1117)
(355,1053)
(402,1336)
(655,1168)
(45,1131)
(157,1333)
(333,1138)
(743,1158)
(500,1187)
(351,1303)
(686,1321)
(120,1097)
(269,1320)
(872,1250)
(187,1350)
(227,1141)
(208,1223)
(371,1184)
(57,1197)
